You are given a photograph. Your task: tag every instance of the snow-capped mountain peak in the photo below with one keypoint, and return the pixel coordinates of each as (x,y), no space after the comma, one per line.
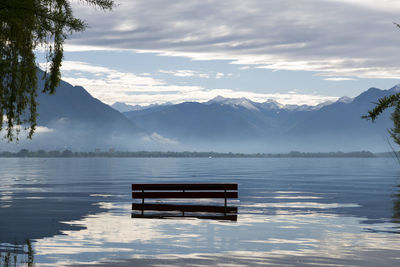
(345,100)
(123,107)
(234,102)
(271,104)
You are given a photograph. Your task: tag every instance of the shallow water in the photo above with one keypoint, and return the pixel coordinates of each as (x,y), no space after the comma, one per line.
(293,211)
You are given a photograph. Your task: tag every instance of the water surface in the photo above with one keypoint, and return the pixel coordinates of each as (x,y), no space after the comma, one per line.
(295,211)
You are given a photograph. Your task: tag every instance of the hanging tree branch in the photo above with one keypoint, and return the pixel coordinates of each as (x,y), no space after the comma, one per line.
(382,104)
(385,103)
(25,25)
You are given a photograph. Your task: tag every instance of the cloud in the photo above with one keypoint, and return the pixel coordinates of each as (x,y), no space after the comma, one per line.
(384,5)
(185,73)
(334,37)
(156,137)
(39,129)
(339,79)
(219,75)
(43,129)
(110,86)
(24,132)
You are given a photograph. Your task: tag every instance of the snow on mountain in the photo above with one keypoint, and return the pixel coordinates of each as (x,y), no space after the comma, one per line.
(344,99)
(234,102)
(123,107)
(270,104)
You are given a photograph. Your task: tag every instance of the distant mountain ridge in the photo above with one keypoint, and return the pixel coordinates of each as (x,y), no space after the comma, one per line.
(269,104)
(234,102)
(123,107)
(73,119)
(270,126)
(75,105)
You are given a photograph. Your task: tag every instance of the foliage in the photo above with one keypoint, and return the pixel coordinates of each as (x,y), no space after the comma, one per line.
(26,25)
(383,104)
(395,131)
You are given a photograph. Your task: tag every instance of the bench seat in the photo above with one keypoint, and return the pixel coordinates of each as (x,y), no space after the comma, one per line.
(189,191)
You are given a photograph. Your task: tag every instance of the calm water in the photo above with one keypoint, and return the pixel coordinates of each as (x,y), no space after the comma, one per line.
(291,211)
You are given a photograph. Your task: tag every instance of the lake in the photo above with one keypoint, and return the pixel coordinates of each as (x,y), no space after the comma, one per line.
(291,211)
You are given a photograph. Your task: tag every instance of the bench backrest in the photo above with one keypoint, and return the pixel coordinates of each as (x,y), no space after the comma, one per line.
(141,191)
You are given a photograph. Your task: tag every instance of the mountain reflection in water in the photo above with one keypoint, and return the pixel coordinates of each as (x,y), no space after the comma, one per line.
(291,211)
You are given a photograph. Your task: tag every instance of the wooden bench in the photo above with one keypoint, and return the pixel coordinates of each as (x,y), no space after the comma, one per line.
(188,191)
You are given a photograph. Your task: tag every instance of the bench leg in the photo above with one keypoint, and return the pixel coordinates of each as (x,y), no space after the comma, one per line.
(225,202)
(142,201)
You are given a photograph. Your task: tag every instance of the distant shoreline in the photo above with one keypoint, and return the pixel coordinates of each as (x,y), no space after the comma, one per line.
(24,153)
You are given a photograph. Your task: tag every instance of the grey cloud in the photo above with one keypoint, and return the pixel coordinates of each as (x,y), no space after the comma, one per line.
(262,32)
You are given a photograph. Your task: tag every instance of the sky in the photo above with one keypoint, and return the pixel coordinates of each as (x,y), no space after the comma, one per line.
(291,51)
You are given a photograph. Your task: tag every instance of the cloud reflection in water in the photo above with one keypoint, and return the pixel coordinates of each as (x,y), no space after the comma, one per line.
(253,238)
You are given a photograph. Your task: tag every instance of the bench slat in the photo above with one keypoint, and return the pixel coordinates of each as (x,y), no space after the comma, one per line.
(184,208)
(168,187)
(141,195)
(166,216)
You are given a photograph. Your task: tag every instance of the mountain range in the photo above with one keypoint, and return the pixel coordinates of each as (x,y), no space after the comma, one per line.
(73,119)
(227,124)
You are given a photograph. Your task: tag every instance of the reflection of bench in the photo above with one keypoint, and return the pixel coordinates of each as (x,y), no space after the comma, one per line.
(185,191)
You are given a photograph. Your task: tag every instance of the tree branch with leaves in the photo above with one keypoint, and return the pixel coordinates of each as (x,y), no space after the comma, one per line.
(383,104)
(26,25)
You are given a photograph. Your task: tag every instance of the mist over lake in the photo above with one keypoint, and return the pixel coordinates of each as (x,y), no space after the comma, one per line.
(309,210)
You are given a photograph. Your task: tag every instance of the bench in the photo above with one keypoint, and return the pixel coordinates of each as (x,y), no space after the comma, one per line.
(185,191)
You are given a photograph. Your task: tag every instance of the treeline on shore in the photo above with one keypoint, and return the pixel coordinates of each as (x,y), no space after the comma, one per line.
(186,154)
